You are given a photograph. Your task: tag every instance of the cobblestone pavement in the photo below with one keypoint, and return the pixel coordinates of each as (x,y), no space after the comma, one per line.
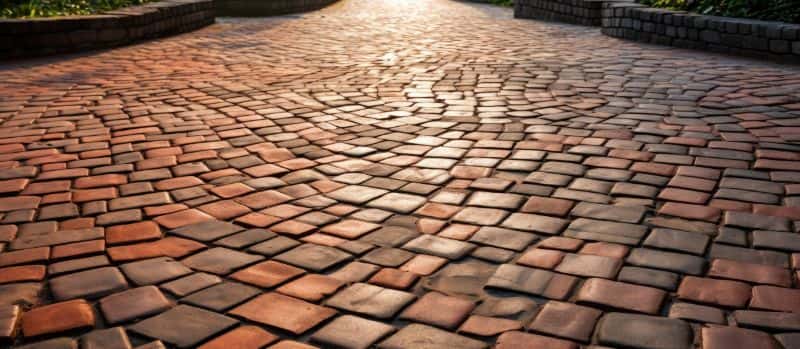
(399,174)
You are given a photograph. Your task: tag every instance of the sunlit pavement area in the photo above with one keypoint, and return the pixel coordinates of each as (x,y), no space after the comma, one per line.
(399,174)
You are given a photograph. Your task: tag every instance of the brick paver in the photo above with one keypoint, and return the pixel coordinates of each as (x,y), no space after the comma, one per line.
(399,174)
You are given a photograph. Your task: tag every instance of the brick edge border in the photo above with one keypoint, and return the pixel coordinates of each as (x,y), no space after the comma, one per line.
(628,20)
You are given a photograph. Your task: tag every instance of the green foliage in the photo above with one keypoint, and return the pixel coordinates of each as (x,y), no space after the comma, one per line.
(508,3)
(49,8)
(772,10)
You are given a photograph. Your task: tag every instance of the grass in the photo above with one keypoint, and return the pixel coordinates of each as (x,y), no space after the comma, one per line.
(508,3)
(50,8)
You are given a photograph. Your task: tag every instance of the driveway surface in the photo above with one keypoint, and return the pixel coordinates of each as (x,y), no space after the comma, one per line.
(399,174)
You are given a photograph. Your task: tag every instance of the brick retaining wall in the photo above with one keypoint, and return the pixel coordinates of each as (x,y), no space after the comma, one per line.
(761,39)
(256,8)
(626,19)
(41,36)
(584,12)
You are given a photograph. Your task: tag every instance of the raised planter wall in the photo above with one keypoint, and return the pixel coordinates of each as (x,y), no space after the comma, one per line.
(42,36)
(583,12)
(258,8)
(626,19)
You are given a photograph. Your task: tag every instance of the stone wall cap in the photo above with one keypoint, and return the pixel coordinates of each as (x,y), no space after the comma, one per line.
(624,4)
(720,19)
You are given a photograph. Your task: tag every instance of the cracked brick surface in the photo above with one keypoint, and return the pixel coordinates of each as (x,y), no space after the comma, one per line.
(399,174)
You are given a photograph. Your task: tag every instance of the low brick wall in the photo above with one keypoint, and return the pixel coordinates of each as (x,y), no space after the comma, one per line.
(584,12)
(258,8)
(629,20)
(42,36)
(760,39)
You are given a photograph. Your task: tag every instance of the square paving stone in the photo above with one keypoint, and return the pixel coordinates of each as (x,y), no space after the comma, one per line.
(532,281)
(504,238)
(541,258)
(731,337)
(267,274)
(390,236)
(351,332)
(245,337)
(387,257)
(755,221)
(677,240)
(58,317)
(649,277)
(9,320)
(314,257)
(495,200)
(37,272)
(397,202)
(355,272)
(522,340)
(245,238)
(356,194)
(222,296)
(354,247)
(208,230)
(426,337)
(465,277)
(493,254)
(90,284)
(184,326)
(437,246)
(589,265)
(191,283)
(776,240)
(480,216)
(608,212)
(642,331)
(746,255)
(597,230)
(39,239)
(273,246)
(283,312)
(488,326)
(134,303)
(154,271)
(536,223)
(677,262)
(349,228)
(375,301)
(768,320)
(439,310)
(698,313)
(220,260)
(312,287)
(112,338)
(515,308)
(20,293)
(394,278)
(55,343)
(566,320)
(726,293)
(607,293)
(775,298)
